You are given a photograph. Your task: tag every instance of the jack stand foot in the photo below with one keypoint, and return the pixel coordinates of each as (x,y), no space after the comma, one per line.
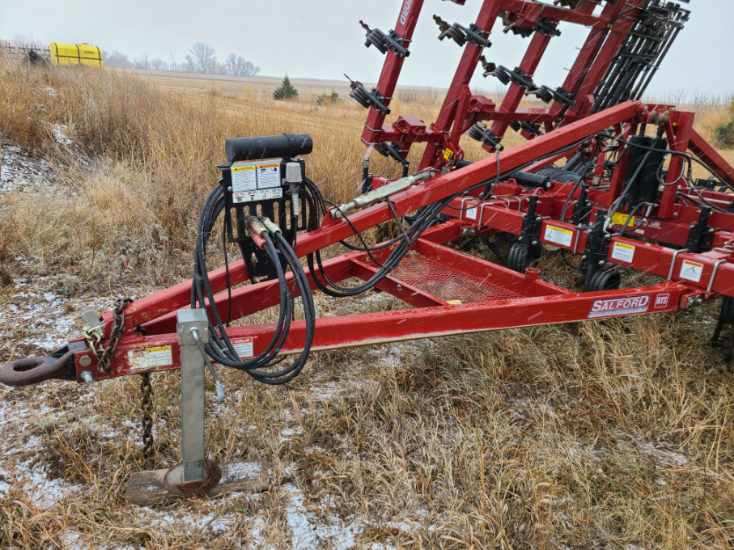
(174,481)
(158,487)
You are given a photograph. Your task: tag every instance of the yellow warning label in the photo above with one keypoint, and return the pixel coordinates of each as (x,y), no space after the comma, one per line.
(244,168)
(620,218)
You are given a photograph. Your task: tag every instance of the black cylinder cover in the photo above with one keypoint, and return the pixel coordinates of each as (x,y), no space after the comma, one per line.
(265,147)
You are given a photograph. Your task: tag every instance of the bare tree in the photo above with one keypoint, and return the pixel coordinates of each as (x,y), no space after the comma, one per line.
(142,63)
(117,59)
(237,65)
(158,64)
(189,66)
(172,63)
(203,58)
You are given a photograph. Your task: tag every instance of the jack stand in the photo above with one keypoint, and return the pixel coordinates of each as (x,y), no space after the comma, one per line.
(196,476)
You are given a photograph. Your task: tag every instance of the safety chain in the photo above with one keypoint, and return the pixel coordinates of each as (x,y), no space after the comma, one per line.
(146,388)
(95,335)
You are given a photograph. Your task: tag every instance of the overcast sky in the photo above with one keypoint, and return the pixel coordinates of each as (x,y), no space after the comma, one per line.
(321,38)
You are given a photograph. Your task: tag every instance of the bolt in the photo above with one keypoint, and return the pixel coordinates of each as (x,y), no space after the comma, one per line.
(85,361)
(87,377)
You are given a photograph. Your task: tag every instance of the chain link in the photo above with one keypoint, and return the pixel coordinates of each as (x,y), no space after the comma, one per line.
(146,388)
(94,336)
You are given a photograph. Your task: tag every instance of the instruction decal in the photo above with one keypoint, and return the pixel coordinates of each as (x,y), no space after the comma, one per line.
(623,252)
(559,235)
(245,348)
(691,271)
(150,358)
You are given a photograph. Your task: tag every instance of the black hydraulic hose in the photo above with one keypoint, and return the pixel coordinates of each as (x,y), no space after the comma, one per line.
(423,220)
(220,347)
(204,291)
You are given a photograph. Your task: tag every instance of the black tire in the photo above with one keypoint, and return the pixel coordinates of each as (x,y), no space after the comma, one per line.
(606,279)
(519,257)
(727,310)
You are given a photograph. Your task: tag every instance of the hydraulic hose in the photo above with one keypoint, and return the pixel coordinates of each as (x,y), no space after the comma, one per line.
(220,347)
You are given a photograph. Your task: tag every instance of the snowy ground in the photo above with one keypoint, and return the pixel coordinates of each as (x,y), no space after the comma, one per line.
(49,320)
(21,172)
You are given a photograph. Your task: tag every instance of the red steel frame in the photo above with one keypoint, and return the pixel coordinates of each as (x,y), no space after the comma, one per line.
(497,297)
(526,299)
(461,108)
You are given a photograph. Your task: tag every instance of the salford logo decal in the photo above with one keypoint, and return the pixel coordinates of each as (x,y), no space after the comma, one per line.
(405,12)
(619,307)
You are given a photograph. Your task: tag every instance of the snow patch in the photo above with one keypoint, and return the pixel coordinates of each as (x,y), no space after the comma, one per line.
(240,471)
(42,313)
(286,434)
(46,321)
(329,391)
(307,532)
(664,457)
(257,532)
(58,131)
(4,485)
(72,540)
(3,414)
(21,172)
(44,493)
(216,524)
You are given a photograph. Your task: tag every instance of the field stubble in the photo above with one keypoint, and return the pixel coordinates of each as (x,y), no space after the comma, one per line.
(613,434)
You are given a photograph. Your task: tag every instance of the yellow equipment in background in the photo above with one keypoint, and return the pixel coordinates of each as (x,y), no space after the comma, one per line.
(75,54)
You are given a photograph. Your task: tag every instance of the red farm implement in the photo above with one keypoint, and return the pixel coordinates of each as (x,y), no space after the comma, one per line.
(602,175)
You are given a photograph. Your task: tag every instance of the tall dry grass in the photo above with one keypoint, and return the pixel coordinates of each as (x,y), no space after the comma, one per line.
(154,160)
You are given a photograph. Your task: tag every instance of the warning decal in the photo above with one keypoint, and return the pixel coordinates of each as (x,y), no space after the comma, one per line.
(559,235)
(620,218)
(623,252)
(256,181)
(691,271)
(245,348)
(618,307)
(150,358)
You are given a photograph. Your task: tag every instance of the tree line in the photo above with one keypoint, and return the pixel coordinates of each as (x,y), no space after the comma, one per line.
(201,58)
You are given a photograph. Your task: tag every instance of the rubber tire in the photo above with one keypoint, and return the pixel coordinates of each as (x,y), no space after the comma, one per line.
(519,257)
(727,310)
(606,279)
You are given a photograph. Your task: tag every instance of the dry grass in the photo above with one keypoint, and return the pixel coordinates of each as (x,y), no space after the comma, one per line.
(613,434)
